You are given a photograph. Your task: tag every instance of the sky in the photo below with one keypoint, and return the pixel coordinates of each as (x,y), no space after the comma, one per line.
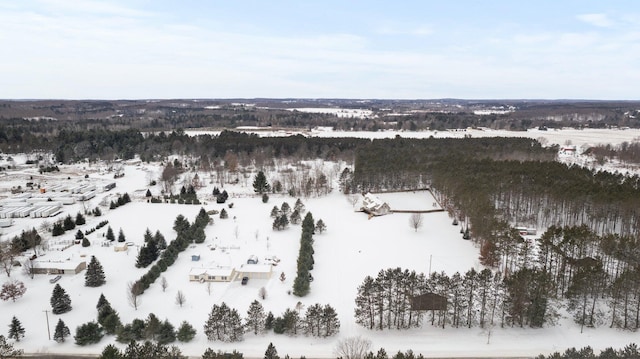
(142,49)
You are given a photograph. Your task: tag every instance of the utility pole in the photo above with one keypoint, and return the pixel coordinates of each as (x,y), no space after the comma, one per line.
(46,313)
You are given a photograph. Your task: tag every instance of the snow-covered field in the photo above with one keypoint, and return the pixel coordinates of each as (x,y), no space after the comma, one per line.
(352,248)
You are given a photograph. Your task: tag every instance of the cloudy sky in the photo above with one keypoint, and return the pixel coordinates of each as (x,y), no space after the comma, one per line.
(134,49)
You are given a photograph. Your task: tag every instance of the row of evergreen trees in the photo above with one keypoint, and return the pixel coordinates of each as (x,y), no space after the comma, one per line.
(186,233)
(301,284)
(474,299)
(225,324)
(67,224)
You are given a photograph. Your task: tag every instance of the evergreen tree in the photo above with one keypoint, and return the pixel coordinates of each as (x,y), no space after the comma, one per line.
(80,220)
(295,217)
(148,194)
(121,237)
(224,324)
(111,323)
(88,333)
(85,242)
(271,352)
(330,322)
(275,212)
(16,331)
(110,235)
(57,229)
(181,224)
(97,212)
(94,275)
(265,198)
(186,332)
(260,184)
(60,300)
(147,235)
(285,208)
(111,352)
(202,219)
(255,318)
(160,241)
(152,326)
(131,332)
(61,332)
(166,333)
(320,226)
(102,301)
(79,234)
(224,214)
(299,206)
(68,223)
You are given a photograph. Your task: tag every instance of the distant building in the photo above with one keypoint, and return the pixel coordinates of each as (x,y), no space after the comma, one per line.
(58,267)
(255,271)
(373,205)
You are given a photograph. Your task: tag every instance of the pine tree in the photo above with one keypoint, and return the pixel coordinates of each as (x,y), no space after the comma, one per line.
(330,322)
(16,331)
(121,237)
(224,214)
(224,324)
(147,235)
(111,352)
(79,235)
(80,220)
(61,332)
(285,208)
(186,332)
(320,226)
(160,241)
(166,333)
(85,242)
(295,217)
(94,275)
(102,301)
(260,184)
(110,235)
(151,326)
(271,352)
(275,212)
(60,300)
(68,223)
(299,206)
(88,333)
(57,229)
(255,318)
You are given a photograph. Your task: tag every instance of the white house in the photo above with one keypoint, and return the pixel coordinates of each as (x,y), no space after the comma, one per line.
(373,205)
(212,274)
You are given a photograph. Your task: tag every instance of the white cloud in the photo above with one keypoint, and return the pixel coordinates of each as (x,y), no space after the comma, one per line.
(599,20)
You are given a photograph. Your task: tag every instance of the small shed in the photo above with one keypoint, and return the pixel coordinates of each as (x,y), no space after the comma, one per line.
(195,257)
(120,247)
(428,301)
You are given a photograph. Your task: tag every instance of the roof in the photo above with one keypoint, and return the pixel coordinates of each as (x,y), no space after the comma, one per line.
(214,271)
(256,268)
(57,264)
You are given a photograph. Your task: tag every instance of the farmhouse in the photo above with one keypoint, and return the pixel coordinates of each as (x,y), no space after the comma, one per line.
(58,266)
(374,205)
(212,274)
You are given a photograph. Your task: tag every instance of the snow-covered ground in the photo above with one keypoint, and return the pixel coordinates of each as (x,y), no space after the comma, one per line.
(352,248)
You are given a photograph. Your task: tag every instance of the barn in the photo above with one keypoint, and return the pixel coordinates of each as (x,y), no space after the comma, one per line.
(429,301)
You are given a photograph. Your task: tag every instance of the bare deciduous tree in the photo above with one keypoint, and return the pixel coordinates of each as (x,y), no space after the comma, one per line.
(416,221)
(163,283)
(262,293)
(352,348)
(7,257)
(180,298)
(134,289)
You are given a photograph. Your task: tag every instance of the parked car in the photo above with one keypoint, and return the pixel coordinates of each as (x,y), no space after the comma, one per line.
(245,280)
(55,279)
